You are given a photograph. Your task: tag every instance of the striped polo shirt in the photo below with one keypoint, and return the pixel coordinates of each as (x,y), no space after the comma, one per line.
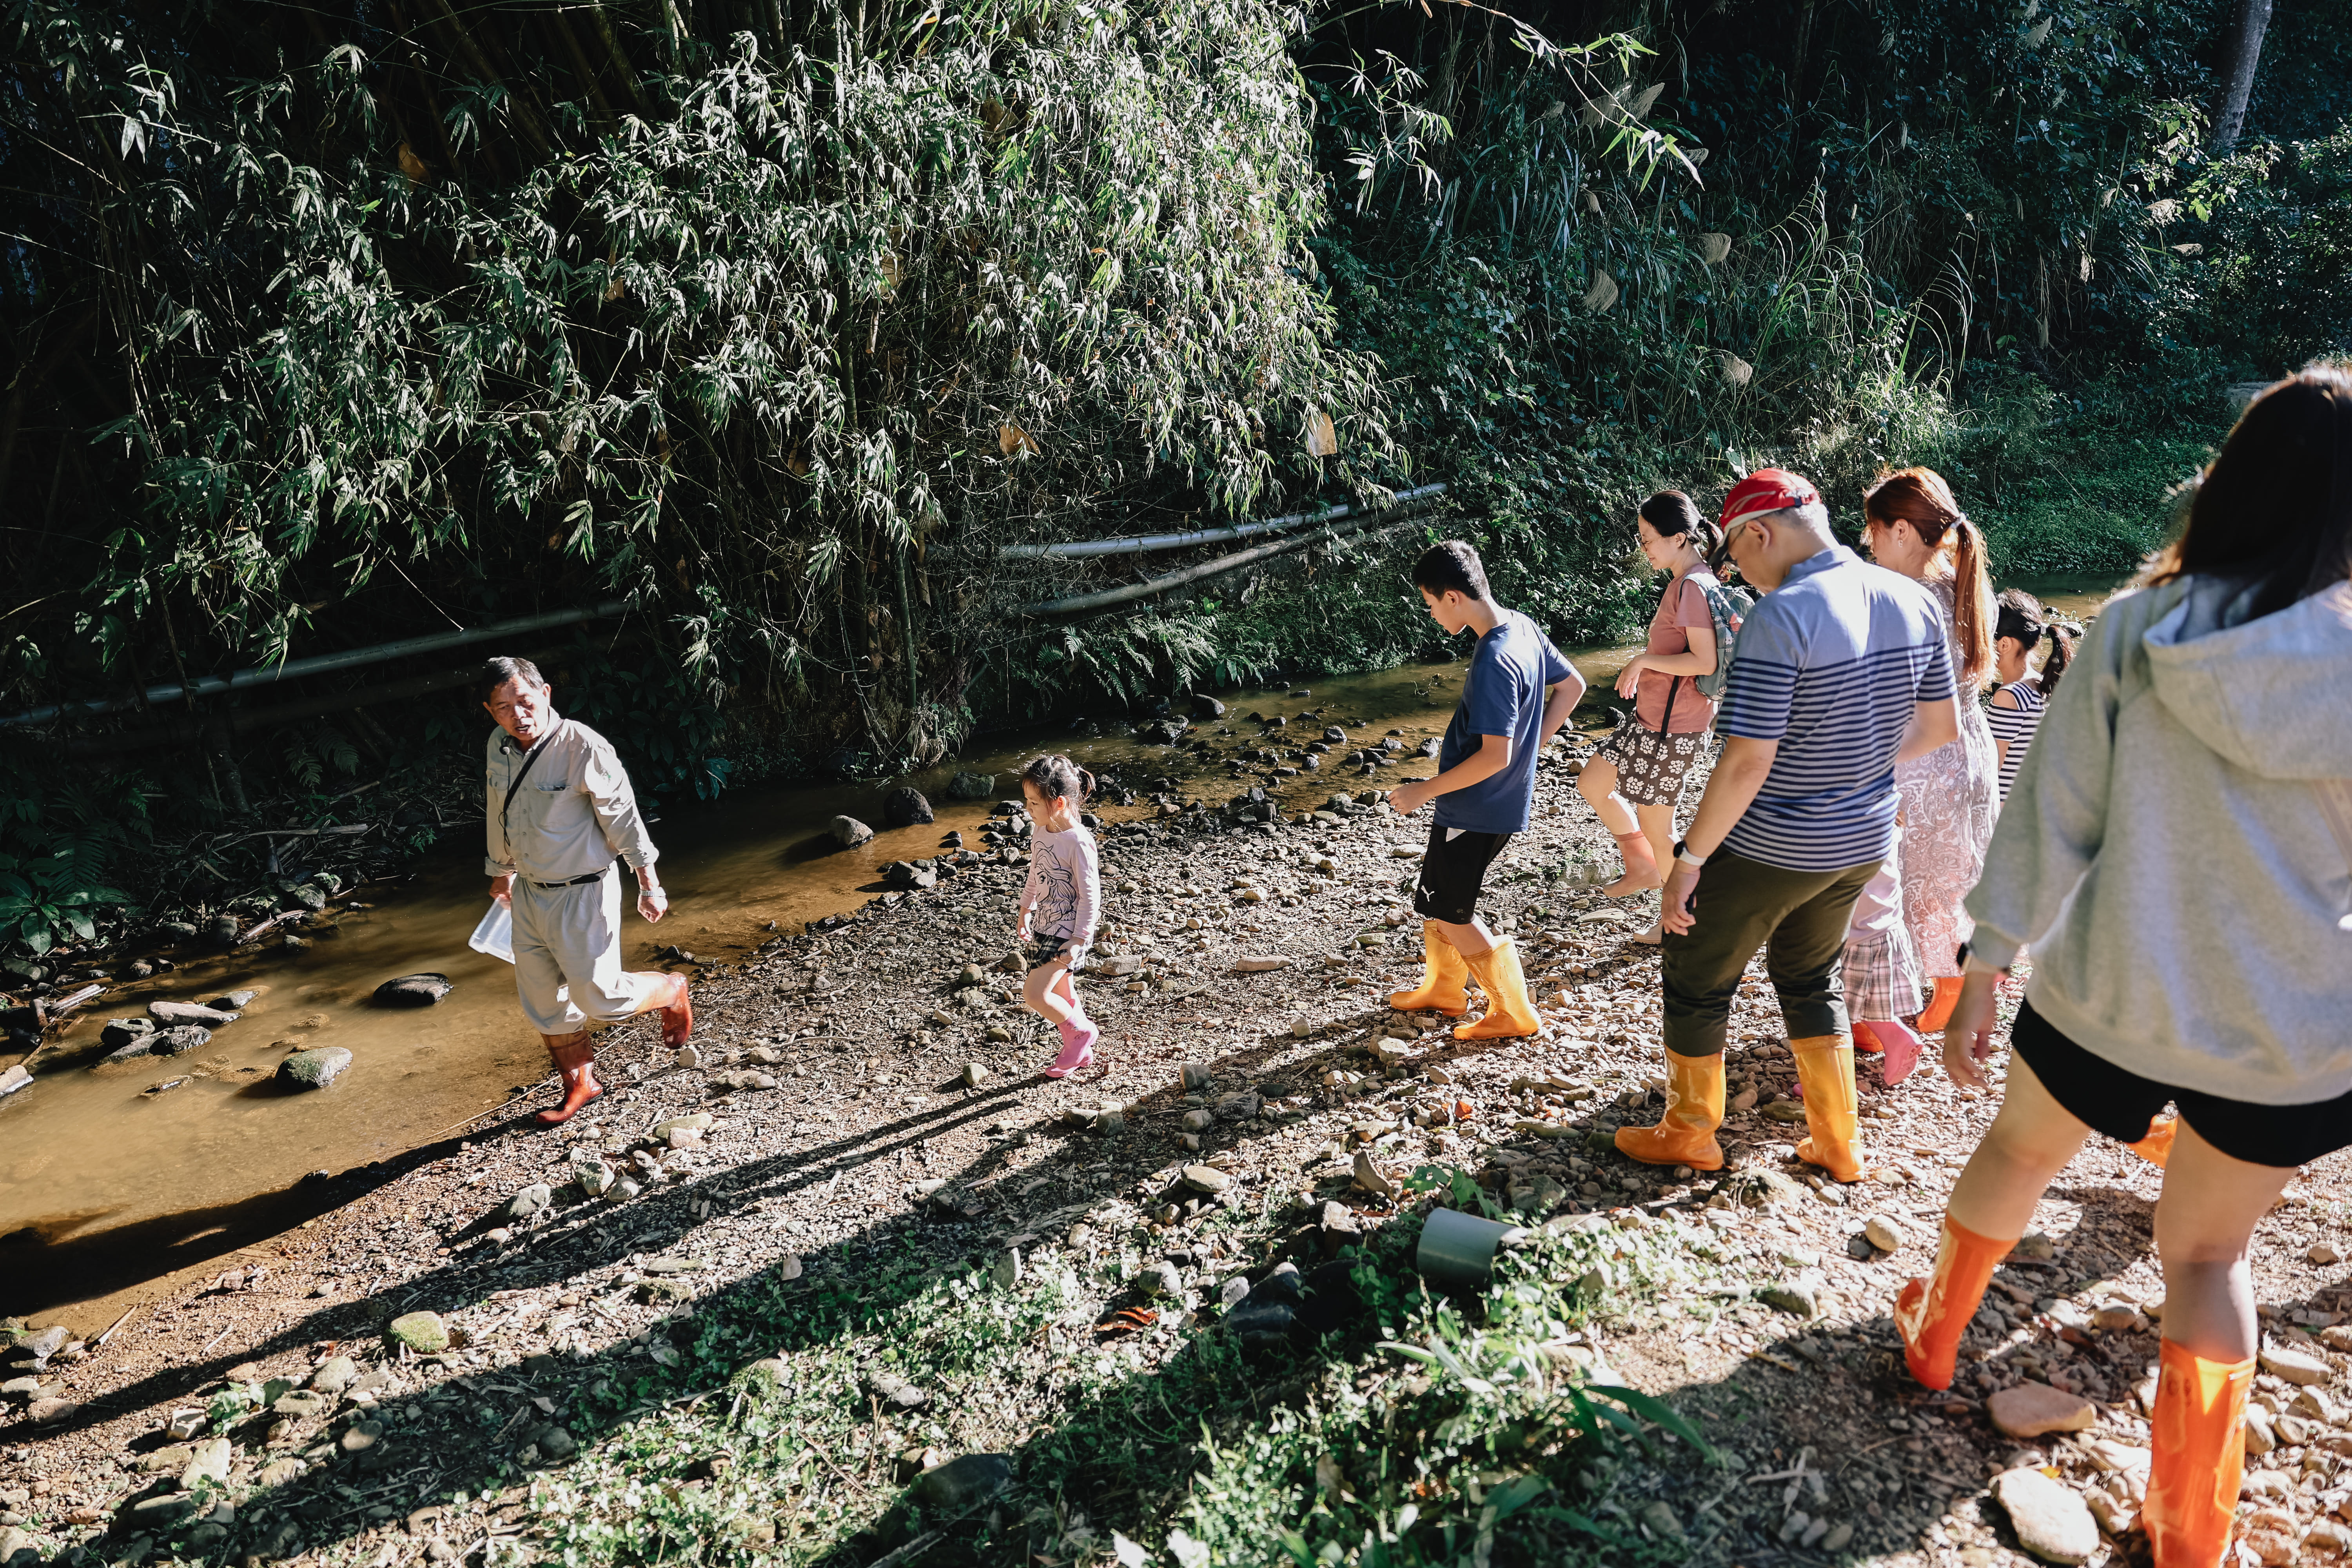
(1830,664)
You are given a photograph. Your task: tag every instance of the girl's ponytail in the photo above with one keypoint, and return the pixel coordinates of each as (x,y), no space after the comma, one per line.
(2054,662)
(1056,777)
(1972,602)
(1085,785)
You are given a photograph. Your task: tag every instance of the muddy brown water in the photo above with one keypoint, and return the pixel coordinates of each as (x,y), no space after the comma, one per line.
(110,1184)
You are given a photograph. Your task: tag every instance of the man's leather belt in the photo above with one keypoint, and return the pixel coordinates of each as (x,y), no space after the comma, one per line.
(591,877)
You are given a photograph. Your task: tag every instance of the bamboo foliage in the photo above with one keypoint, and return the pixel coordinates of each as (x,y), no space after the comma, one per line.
(468,296)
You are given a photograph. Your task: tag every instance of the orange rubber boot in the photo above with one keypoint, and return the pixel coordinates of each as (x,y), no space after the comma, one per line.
(2157,1147)
(1940,1005)
(1509,1014)
(1932,1313)
(1825,1073)
(1640,866)
(1443,977)
(677,1018)
(2199,1438)
(1864,1041)
(1684,1135)
(575,1062)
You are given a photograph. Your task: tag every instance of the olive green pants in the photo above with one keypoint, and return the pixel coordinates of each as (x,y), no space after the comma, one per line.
(1798,917)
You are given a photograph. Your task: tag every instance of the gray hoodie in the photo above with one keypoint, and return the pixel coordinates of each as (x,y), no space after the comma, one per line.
(2167,853)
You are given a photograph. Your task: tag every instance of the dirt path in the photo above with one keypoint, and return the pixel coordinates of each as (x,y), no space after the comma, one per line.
(871,1099)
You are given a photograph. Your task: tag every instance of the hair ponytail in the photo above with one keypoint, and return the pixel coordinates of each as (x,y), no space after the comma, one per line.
(2054,662)
(1972,610)
(1921,498)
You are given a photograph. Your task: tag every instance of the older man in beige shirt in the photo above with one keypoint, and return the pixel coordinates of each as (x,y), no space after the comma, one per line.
(562,817)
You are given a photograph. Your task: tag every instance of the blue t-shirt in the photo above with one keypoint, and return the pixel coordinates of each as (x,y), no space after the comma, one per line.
(1503,694)
(1831,665)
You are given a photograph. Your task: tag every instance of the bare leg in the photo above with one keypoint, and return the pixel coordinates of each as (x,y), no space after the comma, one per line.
(1658,827)
(1469,941)
(1598,785)
(2211,1205)
(2028,1143)
(1042,994)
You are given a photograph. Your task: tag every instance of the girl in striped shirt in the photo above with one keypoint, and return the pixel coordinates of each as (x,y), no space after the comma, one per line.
(2016,711)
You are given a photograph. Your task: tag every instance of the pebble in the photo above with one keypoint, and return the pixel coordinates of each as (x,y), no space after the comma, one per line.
(171,1042)
(849,832)
(335,1373)
(1260,963)
(529,1201)
(1883,1233)
(2052,1521)
(1794,1296)
(1160,1279)
(2295,1366)
(2322,1255)
(2033,1409)
(974,1074)
(1206,1179)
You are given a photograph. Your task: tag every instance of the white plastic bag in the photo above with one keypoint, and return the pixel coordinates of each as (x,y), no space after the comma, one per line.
(495,935)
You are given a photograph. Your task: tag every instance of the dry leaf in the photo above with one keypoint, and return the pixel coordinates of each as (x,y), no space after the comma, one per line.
(1603,292)
(413,166)
(613,287)
(1322,440)
(1012,440)
(1592,204)
(891,273)
(796,464)
(1737,370)
(1641,105)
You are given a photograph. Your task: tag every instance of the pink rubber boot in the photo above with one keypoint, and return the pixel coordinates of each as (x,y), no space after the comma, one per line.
(1902,1047)
(1079,1033)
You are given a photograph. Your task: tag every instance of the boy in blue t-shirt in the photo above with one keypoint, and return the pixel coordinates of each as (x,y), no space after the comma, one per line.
(1485,784)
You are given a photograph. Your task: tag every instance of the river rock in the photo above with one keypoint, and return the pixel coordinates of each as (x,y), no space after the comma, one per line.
(173,1042)
(314,1068)
(233,1001)
(962,1483)
(15,1078)
(1795,1297)
(121,1032)
(972,786)
(168,1014)
(849,832)
(174,930)
(529,1201)
(2036,1409)
(904,807)
(2052,1521)
(1260,963)
(1160,1278)
(420,990)
(2293,1365)
(335,1373)
(1206,1179)
(422,1332)
(222,931)
(1207,708)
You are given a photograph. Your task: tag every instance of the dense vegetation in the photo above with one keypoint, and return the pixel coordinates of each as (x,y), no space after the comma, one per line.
(336,325)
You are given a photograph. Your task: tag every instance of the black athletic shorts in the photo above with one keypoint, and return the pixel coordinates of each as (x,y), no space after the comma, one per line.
(2120,1104)
(1453,870)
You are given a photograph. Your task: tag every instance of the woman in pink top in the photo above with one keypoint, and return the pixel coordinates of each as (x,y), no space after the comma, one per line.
(1637,778)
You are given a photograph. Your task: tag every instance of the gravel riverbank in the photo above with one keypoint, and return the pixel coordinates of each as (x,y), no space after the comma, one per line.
(414,1374)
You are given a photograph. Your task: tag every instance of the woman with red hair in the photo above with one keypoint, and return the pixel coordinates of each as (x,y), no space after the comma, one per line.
(1950,797)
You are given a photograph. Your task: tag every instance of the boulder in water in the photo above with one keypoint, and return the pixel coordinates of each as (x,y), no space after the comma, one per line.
(904,807)
(972,786)
(175,1041)
(1208,708)
(413,991)
(314,1068)
(168,1014)
(222,931)
(849,832)
(122,1032)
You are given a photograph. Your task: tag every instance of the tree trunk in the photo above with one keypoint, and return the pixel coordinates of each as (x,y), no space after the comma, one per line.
(2238,73)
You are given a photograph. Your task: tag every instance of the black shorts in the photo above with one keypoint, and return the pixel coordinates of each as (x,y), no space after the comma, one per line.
(1453,870)
(1044,950)
(2120,1104)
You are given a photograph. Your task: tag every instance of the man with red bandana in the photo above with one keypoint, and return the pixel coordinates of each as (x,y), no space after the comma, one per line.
(1840,670)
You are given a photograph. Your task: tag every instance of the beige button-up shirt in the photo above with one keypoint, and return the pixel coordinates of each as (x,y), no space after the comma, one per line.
(573,812)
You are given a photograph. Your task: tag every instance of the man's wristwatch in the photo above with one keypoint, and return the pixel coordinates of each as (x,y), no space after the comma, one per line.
(1682,853)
